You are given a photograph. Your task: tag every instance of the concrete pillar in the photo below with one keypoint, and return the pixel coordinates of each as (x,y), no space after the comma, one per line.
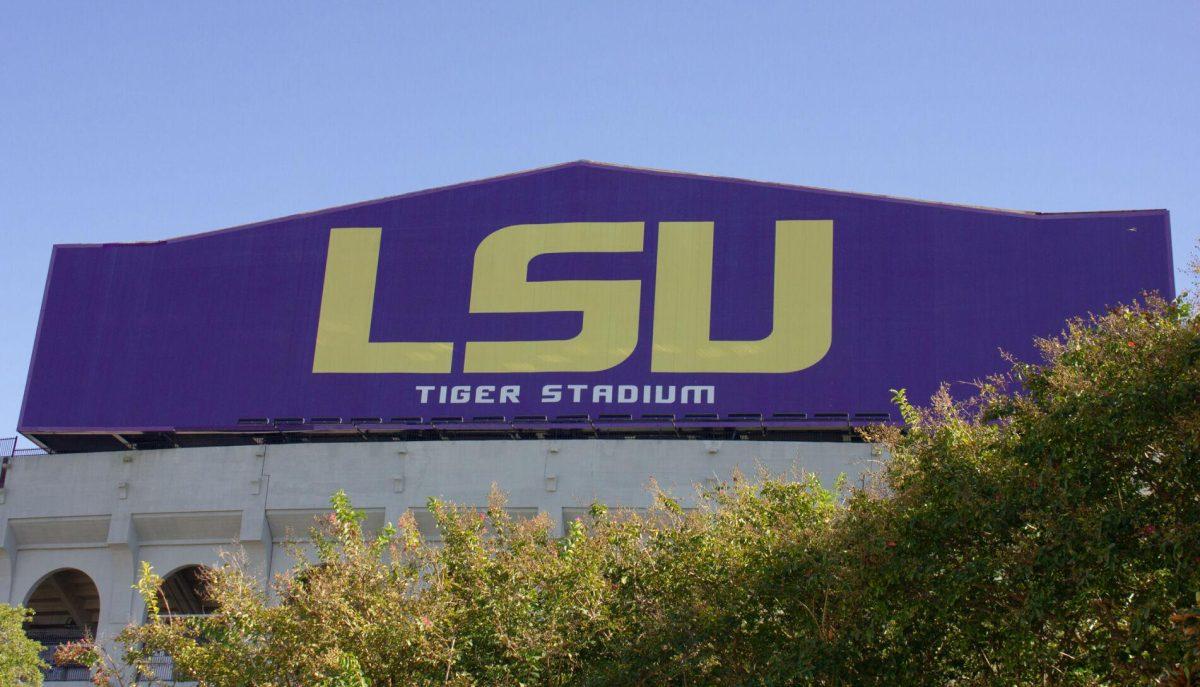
(8,561)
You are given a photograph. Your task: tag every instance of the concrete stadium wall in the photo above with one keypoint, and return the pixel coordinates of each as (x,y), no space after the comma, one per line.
(103,513)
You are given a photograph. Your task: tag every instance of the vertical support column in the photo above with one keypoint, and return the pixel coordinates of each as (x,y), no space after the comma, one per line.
(121,605)
(551,499)
(8,561)
(255,535)
(397,500)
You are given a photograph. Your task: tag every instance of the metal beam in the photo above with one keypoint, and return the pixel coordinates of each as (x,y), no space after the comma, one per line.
(124,441)
(74,608)
(187,595)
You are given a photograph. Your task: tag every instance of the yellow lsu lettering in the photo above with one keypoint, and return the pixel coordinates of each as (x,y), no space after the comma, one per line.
(802,312)
(344,327)
(609,307)
(802,308)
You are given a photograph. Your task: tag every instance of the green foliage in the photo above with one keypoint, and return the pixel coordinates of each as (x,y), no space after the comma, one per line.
(19,660)
(1046,535)
(1046,531)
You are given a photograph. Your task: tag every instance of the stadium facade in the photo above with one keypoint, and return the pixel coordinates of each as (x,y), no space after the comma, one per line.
(567,333)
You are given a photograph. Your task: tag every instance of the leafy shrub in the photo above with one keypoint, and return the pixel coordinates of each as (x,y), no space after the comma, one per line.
(20,663)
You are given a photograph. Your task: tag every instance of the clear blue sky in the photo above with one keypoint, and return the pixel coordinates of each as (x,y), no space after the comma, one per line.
(122,122)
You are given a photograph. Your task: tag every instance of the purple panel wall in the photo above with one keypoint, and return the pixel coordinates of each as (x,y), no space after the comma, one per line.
(197,332)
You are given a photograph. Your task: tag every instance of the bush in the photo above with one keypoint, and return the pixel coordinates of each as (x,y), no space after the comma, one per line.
(1046,535)
(19,660)
(1045,531)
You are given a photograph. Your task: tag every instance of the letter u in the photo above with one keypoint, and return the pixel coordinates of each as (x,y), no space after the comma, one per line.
(802,319)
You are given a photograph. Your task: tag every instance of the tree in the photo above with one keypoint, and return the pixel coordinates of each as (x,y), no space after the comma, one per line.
(1046,529)
(20,663)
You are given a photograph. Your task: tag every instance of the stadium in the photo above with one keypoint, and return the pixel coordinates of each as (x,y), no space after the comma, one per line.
(568,334)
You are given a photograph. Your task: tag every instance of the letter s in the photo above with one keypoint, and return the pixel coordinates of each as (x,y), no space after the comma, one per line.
(610,307)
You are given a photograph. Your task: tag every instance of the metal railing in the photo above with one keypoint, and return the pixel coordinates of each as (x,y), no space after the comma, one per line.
(161,667)
(7,446)
(9,450)
(51,639)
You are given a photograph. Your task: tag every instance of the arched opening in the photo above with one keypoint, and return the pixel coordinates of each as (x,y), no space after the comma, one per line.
(66,607)
(183,594)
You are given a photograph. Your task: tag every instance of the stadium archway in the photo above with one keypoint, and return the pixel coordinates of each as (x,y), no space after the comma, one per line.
(184,593)
(66,606)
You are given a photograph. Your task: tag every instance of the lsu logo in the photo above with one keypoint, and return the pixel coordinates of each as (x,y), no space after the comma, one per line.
(801,323)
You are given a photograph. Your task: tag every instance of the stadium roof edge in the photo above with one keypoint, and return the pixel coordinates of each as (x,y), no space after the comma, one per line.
(635,170)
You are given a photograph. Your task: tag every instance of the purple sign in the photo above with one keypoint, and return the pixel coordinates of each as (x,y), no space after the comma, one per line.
(577,290)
